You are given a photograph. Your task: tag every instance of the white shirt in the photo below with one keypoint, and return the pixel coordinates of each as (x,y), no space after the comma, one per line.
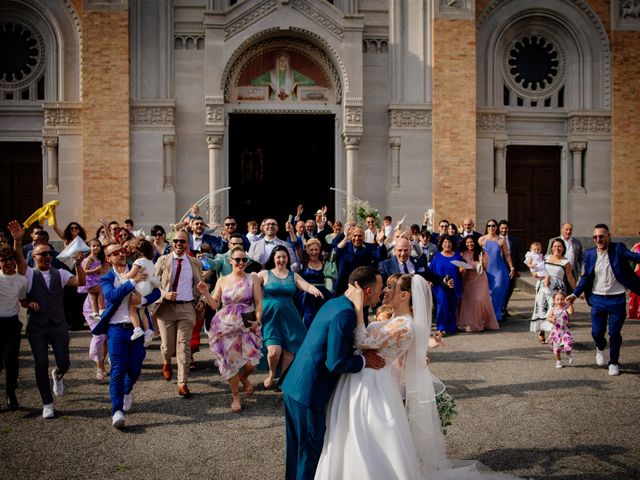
(197,242)
(605,282)
(121,315)
(409,265)
(369,236)
(12,288)
(569,253)
(185,282)
(64,277)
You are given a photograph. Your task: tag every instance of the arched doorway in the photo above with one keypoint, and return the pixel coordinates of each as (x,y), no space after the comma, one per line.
(277,161)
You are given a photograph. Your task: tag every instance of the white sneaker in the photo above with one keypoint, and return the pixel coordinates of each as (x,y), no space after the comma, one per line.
(558,364)
(572,359)
(128,401)
(58,384)
(614,370)
(148,337)
(48,411)
(118,419)
(599,357)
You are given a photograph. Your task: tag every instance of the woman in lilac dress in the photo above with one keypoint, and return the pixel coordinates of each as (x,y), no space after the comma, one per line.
(236,341)
(497,272)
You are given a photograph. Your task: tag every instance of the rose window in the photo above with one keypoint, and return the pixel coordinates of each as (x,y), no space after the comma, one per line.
(21,51)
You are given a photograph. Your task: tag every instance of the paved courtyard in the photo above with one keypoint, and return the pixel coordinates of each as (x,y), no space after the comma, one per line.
(517,414)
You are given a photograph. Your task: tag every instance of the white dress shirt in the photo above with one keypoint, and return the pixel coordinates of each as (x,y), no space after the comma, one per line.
(605,282)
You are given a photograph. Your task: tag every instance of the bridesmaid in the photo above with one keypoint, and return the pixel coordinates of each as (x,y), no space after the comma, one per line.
(497,272)
(476,311)
(446,298)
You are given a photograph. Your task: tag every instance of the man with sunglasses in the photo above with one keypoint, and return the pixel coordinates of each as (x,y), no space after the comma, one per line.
(179,274)
(261,250)
(126,355)
(607,276)
(221,244)
(47,324)
(13,287)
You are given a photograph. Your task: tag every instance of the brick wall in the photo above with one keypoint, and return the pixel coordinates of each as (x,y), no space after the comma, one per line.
(625,131)
(105,119)
(454,119)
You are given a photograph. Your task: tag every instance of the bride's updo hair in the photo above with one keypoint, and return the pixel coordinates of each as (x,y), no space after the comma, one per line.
(403,283)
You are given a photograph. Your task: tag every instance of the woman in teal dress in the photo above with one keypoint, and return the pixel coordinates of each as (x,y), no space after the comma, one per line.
(282,327)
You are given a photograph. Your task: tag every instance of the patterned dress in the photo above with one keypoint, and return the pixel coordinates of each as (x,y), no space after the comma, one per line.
(544,296)
(233,345)
(560,337)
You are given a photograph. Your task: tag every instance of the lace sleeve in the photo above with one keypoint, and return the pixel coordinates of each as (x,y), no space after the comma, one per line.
(380,334)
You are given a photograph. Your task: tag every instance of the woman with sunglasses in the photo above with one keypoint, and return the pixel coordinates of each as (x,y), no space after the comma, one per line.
(283,329)
(497,273)
(234,335)
(159,240)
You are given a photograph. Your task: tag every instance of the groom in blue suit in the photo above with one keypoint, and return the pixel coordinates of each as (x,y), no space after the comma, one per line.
(607,276)
(326,353)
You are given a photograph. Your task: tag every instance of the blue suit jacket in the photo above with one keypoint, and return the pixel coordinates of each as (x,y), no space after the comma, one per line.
(391,266)
(348,259)
(327,352)
(218,244)
(113,297)
(619,257)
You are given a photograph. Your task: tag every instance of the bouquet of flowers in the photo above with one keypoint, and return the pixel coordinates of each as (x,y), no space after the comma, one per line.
(446,409)
(361,209)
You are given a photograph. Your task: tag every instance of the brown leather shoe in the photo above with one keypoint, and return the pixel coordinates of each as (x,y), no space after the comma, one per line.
(167,372)
(183,391)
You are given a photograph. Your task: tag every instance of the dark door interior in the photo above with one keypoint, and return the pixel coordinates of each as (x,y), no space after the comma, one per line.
(533,186)
(277,162)
(21,191)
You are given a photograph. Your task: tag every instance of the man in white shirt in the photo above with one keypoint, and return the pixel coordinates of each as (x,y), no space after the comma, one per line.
(260,251)
(575,252)
(371,231)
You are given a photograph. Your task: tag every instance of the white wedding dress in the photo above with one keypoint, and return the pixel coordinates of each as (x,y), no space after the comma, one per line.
(370,433)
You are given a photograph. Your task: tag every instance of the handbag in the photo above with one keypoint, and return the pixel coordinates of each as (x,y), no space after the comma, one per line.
(248,318)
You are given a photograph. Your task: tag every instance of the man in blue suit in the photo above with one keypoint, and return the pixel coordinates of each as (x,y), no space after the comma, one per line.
(607,275)
(326,353)
(352,252)
(126,355)
(403,262)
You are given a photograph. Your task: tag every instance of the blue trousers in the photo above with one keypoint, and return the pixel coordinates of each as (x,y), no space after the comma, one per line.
(305,435)
(126,363)
(609,309)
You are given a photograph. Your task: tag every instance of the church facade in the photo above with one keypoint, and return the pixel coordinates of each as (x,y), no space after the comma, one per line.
(482,108)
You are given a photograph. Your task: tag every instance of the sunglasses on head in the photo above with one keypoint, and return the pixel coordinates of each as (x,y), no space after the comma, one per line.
(179,240)
(44,254)
(240,259)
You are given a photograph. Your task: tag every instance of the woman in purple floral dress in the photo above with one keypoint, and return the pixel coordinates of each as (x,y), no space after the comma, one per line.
(236,342)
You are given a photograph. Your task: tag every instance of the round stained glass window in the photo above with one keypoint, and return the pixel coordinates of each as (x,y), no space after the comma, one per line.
(534,65)
(21,53)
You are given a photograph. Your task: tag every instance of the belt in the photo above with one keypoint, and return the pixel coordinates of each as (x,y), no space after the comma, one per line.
(609,296)
(127,325)
(179,302)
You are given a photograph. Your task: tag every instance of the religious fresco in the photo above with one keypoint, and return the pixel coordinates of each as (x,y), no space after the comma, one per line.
(282,76)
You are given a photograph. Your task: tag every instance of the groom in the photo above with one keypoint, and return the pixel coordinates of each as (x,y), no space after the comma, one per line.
(326,352)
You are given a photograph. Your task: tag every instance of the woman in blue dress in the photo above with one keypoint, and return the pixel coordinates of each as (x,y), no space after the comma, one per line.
(313,273)
(497,272)
(446,298)
(282,327)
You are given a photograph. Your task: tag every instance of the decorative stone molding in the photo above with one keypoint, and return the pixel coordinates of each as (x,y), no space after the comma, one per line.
(73,12)
(375,45)
(353,116)
(376,31)
(500,145)
(589,124)
(188,28)
(577,146)
(215,141)
(50,145)
(576,149)
(351,141)
(62,118)
(410,116)
(455,9)
(153,115)
(625,14)
(491,121)
(188,36)
(169,140)
(105,5)
(215,114)
(318,17)
(249,17)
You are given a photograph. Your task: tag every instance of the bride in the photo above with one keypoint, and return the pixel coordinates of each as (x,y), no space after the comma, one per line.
(370,433)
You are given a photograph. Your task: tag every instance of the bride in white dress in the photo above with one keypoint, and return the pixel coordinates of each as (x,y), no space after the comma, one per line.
(370,433)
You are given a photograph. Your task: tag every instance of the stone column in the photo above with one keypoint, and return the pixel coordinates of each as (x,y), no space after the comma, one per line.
(51,145)
(169,142)
(394,144)
(352,144)
(500,182)
(214,142)
(576,151)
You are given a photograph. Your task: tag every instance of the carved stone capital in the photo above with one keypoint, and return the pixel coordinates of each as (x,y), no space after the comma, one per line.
(351,141)
(500,145)
(577,146)
(353,124)
(215,141)
(215,113)
(50,142)
(410,117)
(168,140)
(394,142)
(491,121)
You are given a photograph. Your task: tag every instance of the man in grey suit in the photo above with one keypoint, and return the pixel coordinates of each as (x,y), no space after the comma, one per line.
(261,250)
(575,252)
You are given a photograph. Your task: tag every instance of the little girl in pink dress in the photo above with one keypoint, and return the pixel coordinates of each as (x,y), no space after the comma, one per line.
(560,337)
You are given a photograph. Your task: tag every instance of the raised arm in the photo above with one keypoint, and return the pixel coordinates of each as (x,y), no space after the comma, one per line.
(18,233)
(305,286)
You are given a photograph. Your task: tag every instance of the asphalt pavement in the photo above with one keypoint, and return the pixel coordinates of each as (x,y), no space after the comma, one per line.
(517,414)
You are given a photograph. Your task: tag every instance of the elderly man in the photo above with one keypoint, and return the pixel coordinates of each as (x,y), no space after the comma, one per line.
(352,252)
(47,324)
(179,275)
(13,287)
(607,276)
(467,229)
(126,355)
(403,262)
(260,251)
(574,253)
